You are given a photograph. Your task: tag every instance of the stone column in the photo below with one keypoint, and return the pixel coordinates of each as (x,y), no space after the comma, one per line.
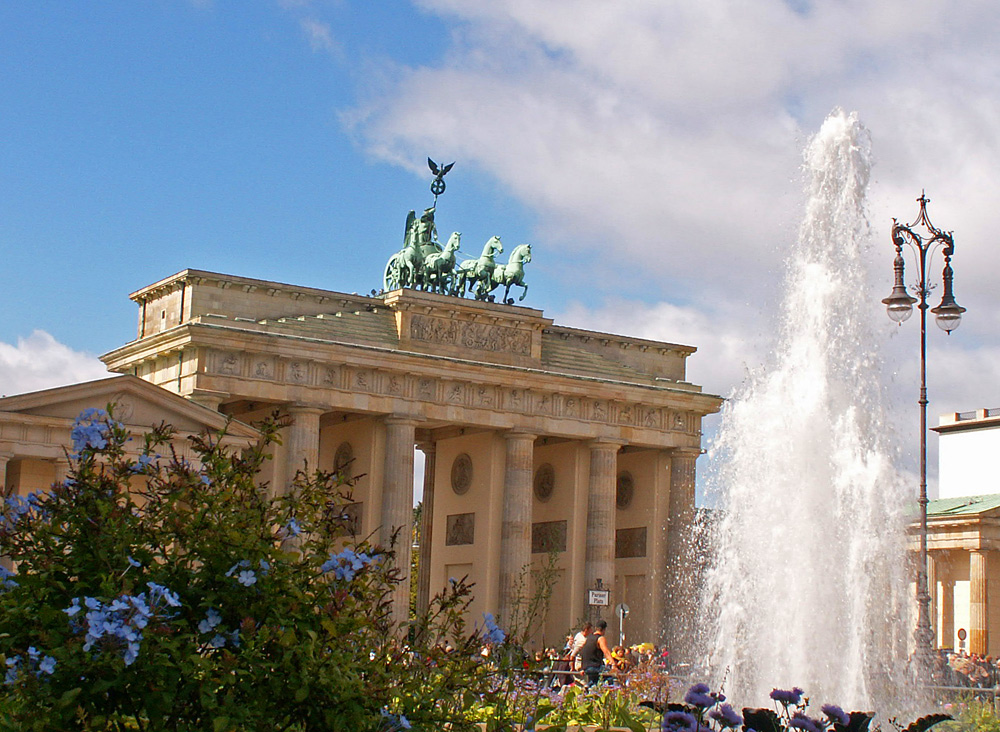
(681,587)
(429,449)
(948,613)
(4,459)
(599,564)
(932,591)
(61,471)
(208,398)
(979,608)
(301,444)
(397,505)
(659,556)
(515,531)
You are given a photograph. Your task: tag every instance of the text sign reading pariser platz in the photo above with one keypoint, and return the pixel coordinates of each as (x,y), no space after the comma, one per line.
(597,597)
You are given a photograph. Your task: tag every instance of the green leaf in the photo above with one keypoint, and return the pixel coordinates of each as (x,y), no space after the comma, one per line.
(68,696)
(220,724)
(301,693)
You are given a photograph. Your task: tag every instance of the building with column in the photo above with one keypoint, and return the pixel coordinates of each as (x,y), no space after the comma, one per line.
(964,534)
(35,428)
(539,440)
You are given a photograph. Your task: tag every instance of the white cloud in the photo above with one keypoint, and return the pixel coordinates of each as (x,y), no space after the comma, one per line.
(41,362)
(319,35)
(667,135)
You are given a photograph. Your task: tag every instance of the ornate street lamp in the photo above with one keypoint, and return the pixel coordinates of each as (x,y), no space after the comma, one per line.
(948,314)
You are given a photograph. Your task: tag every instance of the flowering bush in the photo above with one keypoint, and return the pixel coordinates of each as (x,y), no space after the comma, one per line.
(152,594)
(704,709)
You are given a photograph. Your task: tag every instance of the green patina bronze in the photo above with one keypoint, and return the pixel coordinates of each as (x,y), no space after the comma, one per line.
(424,264)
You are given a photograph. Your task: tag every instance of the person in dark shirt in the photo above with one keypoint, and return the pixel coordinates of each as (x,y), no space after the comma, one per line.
(595,653)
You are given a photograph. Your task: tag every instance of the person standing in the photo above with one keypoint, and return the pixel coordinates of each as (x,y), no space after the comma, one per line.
(578,640)
(595,653)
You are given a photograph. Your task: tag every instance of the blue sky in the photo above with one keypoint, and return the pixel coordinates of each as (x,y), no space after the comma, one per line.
(138,139)
(649,150)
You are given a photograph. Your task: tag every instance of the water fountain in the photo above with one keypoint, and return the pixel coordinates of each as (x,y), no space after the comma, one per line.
(808,583)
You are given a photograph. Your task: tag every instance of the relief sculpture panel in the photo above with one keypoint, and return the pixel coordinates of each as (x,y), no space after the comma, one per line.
(478,336)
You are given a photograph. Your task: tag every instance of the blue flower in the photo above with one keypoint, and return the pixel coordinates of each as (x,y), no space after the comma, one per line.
(247,578)
(393,722)
(347,564)
(726,716)
(218,641)
(835,714)
(679,722)
(133,562)
(12,666)
(140,465)
(18,507)
(90,431)
(698,696)
(292,528)
(118,625)
(6,583)
(808,724)
(243,563)
(787,697)
(491,631)
(212,619)
(159,592)
(47,665)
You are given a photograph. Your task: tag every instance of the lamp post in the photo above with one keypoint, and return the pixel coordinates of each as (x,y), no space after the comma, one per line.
(948,314)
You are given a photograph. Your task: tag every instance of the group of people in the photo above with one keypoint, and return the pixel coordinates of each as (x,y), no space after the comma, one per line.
(965,669)
(589,653)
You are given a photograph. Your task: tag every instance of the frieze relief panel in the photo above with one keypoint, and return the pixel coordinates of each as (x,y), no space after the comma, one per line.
(262,367)
(599,411)
(395,385)
(459,393)
(625,414)
(362,380)
(331,376)
(515,400)
(297,372)
(427,389)
(454,392)
(477,336)
(227,363)
(485,396)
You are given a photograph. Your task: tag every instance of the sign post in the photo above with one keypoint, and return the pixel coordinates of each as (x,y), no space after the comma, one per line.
(621,609)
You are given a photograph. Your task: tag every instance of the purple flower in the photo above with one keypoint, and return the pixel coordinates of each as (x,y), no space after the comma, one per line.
(835,714)
(808,724)
(699,696)
(787,697)
(679,722)
(726,716)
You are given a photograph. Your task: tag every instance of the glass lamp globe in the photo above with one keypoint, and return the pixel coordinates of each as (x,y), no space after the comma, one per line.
(899,305)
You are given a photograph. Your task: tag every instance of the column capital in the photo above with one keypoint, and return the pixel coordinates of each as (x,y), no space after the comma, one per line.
(690,452)
(605,444)
(519,435)
(294,408)
(427,447)
(401,419)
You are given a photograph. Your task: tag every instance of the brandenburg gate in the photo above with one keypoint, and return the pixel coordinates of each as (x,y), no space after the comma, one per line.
(538,438)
